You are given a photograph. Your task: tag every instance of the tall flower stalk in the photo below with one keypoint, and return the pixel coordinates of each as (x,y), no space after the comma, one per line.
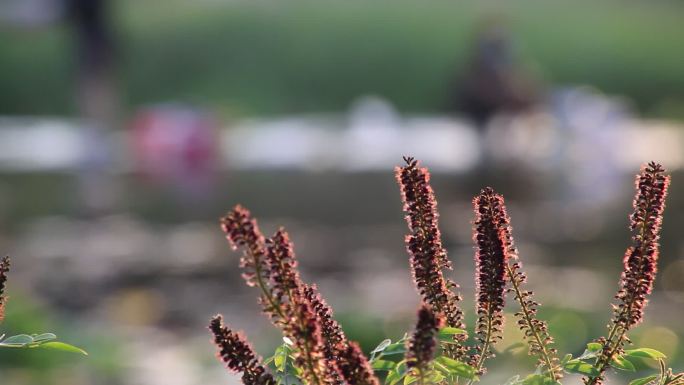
(354,366)
(4,269)
(295,307)
(536,331)
(238,355)
(271,266)
(420,348)
(243,231)
(428,257)
(639,264)
(491,259)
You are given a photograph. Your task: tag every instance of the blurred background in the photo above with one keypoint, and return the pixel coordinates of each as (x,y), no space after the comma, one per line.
(127,128)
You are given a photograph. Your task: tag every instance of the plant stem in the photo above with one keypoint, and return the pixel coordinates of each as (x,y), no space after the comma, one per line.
(269,297)
(485,348)
(421,376)
(604,359)
(527,315)
(264,288)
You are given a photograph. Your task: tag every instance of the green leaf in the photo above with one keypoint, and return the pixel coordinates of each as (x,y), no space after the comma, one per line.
(441,368)
(457,368)
(279,361)
(448,332)
(383,365)
(401,368)
(446,335)
(643,381)
(619,362)
(434,377)
(589,354)
(538,379)
(63,347)
(395,348)
(579,367)
(594,347)
(566,359)
(410,379)
(18,340)
(40,338)
(393,377)
(645,353)
(384,344)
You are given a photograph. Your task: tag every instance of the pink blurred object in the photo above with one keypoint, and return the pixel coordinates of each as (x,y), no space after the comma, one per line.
(176,145)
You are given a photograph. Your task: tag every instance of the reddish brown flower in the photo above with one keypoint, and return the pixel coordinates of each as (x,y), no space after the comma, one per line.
(283,267)
(331,331)
(305,332)
(238,355)
(639,263)
(4,269)
(641,259)
(424,244)
(420,349)
(491,259)
(536,332)
(294,307)
(243,231)
(354,367)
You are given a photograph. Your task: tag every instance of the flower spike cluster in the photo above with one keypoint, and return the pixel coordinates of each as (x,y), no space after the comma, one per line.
(238,355)
(420,349)
(639,263)
(536,331)
(641,259)
(334,340)
(424,244)
(305,333)
(330,329)
(323,355)
(320,346)
(243,231)
(354,366)
(283,268)
(491,259)
(4,269)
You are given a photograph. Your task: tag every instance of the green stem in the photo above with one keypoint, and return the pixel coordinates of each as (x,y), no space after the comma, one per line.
(527,316)
(264,288)
(603,361)
(485,347)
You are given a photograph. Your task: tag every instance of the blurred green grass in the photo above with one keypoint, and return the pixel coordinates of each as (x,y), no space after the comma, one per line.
(250,58)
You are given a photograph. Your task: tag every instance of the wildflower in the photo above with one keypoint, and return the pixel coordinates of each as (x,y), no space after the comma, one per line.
(420,349)
(535,330)
(334,340)
(354,366)
(305,332)
(238,355)
(283,267)
(331,331)
(491,258)
(641,259)
(4,269)
(424,244)
(639,263)
(243,231)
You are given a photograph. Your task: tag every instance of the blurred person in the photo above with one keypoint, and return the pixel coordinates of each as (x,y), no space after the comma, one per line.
(493,82)
(95,98)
